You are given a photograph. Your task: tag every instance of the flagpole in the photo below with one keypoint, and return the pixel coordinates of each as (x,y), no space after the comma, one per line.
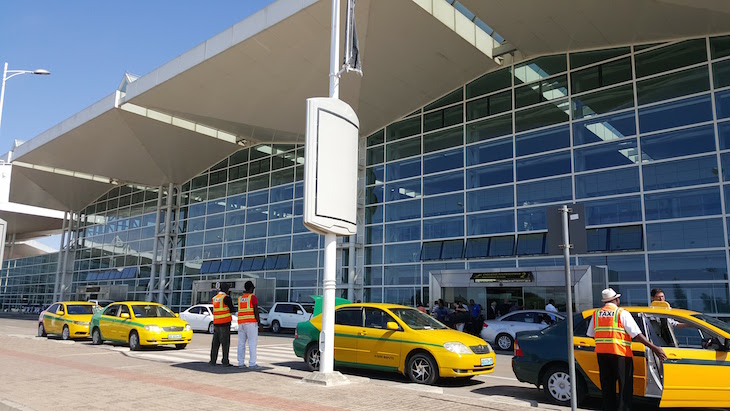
(335,51)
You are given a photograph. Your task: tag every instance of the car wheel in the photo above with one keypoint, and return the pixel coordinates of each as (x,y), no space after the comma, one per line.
(504,342)
(275,327)
(312,357)
(134,341)
(557,385)
(96,337)
(180,346)
(65,334)
(422,369)
(41,330)
(211,328)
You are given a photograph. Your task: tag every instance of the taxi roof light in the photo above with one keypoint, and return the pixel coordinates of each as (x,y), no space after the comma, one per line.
(660,304)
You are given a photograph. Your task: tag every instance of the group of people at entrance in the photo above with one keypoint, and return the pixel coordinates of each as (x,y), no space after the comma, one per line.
(459,315)
(248,325)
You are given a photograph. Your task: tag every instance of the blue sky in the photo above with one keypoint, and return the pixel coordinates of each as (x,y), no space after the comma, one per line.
(88,45)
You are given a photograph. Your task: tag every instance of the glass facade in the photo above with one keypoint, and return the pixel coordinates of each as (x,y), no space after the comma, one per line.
(639,134)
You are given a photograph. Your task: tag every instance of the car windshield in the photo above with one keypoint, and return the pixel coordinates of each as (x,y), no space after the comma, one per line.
(713,321)
(80,308)
(151,311)
(417,320)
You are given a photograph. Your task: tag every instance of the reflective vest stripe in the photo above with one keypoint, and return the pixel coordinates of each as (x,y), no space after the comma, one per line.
(245,309)
(610,335)
(221,312)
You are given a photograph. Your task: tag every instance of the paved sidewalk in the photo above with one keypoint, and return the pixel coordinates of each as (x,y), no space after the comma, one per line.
(39,374)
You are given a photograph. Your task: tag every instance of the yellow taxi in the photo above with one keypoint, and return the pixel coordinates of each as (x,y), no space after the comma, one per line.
(69,319)
(695,374)
(396,338)
(140,323)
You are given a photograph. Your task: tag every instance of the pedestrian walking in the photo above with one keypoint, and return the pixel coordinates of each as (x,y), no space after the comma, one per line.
(613,328)
(222,315)
(248,326)
(551,307)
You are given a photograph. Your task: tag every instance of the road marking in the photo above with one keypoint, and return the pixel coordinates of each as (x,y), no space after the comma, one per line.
(502,378)
(87,353)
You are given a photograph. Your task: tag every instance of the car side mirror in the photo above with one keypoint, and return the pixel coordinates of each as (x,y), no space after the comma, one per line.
(726,346)
(177,314)
(125,315)
(713,343)
(392,325)
(60,312)
(300,312)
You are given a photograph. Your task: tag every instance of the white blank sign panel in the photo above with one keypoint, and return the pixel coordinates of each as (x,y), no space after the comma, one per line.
(330,167)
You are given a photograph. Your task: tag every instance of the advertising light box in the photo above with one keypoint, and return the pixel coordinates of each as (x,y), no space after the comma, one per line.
(330,167)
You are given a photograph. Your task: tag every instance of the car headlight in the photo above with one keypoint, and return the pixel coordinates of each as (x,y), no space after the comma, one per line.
(457,347)
(188,327)
(81,323)
(153,328)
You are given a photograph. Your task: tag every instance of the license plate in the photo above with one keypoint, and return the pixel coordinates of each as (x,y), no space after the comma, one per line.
(487,361)
(174,336)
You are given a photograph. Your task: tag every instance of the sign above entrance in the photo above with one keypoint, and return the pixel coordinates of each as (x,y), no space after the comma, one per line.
(503,277)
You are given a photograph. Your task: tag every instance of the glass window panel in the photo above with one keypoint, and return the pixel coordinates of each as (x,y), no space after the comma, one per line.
(607,128)
(443,118)
(376,138)
(490,223)
(531,244)
(282,177)
(452,250)
(600,76)
(488,151)
(672,85)
(539,68)
(374,214)
(374,234)
(543,140)
(375,155)
(409,231)
(530,219)
(402,275)
(694,266)
(477,247)
(304,260)
(234,233)
(431,251)
(705,298)
(603,101)
(280,210)
(403,190)
(680,204)
(278,244)
(404,128)
(443,227)
(446,100)
(678,143)
(281,193)
(488,106)
(490,198)
(541,116)
(443,205)
(490,82)
(545,191)
(489,128)
(675,114)
(541,91)
(260,198)
(502,246)
(725,159)
(256,230)
(403,169)
(305,242)
(443,183)
(403,149)
(253,247)
(375,175)
(702,170)
(443,161)
(617,153)
(404,210)
(585,58)
(613,211)
(280,227)
(670,57)
(374,255)
(402,253)
(678,235)
(543,166)
(443,139)
(620,267)
(373,276)
(722,101)
(721,73)
(720,47)
(489,175)
(374,194)
(256,214)
(626,238)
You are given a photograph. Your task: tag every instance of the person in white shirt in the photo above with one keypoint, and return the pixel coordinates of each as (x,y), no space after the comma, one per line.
(551,307)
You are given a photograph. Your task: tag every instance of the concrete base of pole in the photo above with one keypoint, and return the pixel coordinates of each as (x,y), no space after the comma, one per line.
(327,379)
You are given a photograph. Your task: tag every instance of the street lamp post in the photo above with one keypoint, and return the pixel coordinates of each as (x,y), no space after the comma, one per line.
(8,74)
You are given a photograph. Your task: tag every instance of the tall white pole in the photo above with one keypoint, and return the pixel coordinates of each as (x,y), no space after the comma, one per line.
(2,92)
(569,293)
(327,338)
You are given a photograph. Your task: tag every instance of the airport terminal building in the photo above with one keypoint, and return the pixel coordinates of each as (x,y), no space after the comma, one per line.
(464,146)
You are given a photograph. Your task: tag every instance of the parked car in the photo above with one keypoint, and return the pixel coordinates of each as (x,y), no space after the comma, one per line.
(263,317)
(399,339)
(288,315)
(200,318)
(501,331)
(139,323)
(69,319)
(696,373)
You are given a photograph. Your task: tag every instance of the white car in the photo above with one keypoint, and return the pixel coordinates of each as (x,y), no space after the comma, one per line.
(200,318)
(288,315)
(501,332)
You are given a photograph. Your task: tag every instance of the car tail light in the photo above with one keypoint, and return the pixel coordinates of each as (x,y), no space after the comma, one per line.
(518,350)
(485,325)
(296,334)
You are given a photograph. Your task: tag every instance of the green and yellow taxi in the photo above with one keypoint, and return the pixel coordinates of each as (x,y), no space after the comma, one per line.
(69,319)
(396,338)
(140,323)
(695,374)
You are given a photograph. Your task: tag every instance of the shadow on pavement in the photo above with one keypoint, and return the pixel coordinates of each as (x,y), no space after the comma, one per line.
(226,370)
(532,395)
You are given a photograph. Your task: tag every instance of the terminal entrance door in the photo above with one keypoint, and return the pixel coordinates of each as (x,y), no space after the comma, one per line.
(507,298)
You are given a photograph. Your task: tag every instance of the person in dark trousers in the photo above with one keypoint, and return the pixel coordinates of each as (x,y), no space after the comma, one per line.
(476,317)
(613,329)
(222,316)
(492,311)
